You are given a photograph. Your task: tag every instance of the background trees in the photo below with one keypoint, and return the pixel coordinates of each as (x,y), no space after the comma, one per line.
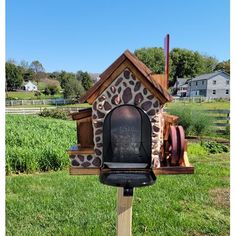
(38,70)
(224,65)
(152,57)
(14,78)
(85,79)
(73,88)
(184,63)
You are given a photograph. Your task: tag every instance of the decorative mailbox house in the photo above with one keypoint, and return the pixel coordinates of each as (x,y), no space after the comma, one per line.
(126,128)
(125,137)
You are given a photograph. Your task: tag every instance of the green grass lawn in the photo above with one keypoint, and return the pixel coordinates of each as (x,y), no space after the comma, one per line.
(224,105)
(29,96)
(56,203)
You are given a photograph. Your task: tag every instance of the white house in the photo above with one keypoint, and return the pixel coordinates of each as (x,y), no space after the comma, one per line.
(181,87)
(29,86)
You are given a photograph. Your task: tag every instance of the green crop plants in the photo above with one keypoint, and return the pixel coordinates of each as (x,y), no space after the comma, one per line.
(37,144)
(214,147)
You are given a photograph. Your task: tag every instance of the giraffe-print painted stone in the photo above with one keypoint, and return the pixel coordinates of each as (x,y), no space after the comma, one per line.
(127,95)
(127,89)
(146,105)
(118,81)
(138,98)
(113,89)
(126,74)
(137,86)
(107,106)
(116,100)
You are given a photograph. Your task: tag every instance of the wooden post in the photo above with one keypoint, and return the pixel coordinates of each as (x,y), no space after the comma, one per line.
(124,214)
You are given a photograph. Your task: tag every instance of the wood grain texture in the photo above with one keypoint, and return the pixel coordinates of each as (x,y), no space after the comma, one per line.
(168,121)
(175,170)
(80,150)
(160,79)
(124,214)
(82,114)
(85,133)
(83,171)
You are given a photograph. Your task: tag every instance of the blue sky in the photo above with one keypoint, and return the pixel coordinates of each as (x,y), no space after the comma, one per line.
(89,35)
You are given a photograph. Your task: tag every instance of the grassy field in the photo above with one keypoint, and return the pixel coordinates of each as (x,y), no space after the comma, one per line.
(37,143)
(29,96)
(55,203)
(204,105)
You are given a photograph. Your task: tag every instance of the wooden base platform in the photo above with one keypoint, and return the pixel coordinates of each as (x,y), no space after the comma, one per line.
(174,170)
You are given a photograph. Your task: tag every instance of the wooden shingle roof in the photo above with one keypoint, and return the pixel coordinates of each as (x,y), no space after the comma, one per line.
(131,60)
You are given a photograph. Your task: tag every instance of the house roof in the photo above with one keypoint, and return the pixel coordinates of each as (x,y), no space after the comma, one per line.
(29,83)
(208,76)
(181,81)
(97,89)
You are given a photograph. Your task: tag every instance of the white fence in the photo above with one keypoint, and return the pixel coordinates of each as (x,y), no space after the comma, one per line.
(37,110)
(196,99)
(56,101)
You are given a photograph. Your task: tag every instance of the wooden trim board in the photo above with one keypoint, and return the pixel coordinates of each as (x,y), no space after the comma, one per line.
(172,170)
(81,151)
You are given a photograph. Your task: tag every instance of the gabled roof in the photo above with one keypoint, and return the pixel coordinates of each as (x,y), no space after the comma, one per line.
(181,81)
(209,76)
(162,93)
(29,83)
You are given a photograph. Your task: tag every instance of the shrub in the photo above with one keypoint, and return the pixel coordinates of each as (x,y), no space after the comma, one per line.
(54,113)
(194,122)
(185,118)
(214,147)
(46,91)
(37,93)
(201,123)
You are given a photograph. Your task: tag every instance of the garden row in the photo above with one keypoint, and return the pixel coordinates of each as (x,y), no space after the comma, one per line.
(35,143)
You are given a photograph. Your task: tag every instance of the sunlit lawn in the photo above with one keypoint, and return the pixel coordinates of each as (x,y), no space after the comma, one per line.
(56,203)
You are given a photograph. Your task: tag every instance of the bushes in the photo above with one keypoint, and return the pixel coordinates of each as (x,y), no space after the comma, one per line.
(194,122)
(37,144)
(214,147)
(54,113)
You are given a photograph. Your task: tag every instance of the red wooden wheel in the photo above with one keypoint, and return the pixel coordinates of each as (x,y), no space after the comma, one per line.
(181,139)
(172,145)
(175,145)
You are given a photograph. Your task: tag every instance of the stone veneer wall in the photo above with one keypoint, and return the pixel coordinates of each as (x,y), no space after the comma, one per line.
(126,89)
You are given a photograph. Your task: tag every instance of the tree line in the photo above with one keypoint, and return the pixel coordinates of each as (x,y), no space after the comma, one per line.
(73,85)
(184,63)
